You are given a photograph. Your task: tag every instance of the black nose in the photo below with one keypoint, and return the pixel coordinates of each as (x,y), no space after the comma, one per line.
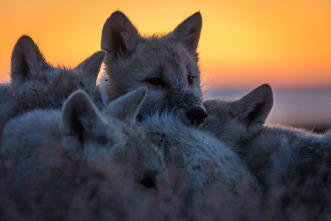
(197,115)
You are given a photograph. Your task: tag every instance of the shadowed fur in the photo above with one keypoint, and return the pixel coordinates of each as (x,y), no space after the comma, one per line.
(84,134)
(35,84)
(200,157)
(166,65)
(272,152)
(6,92)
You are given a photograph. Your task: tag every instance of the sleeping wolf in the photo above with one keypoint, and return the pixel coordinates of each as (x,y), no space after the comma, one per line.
(272,152)
(35,84)
(201,160)
(167,65)
(83,134)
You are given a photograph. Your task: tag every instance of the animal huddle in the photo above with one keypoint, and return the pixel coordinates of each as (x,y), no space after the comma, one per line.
(147,119)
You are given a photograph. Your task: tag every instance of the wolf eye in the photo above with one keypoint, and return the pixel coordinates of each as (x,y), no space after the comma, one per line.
(190,79)
(155,81)
(148,183)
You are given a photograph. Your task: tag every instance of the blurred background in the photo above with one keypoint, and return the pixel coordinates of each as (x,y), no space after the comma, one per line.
(243,44)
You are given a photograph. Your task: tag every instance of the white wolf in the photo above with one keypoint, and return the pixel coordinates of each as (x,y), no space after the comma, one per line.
(272,152)
(85,135)
(167,66)
(35,84)
(200,158)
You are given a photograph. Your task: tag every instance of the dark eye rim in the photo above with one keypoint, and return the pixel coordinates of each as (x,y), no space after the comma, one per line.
(155,81)
(190,79)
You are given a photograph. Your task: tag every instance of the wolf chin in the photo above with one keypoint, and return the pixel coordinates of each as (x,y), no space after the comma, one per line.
(272,152)
(166,65)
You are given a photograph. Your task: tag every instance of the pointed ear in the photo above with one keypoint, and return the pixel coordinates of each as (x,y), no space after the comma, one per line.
(127,107)
(79,117)
(188,32)
(26,60)
(119,36)
(254,108)
(91,66)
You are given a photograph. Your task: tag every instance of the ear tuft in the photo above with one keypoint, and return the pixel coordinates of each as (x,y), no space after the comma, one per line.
(26,60)
(119,36)
(188,32)
(79,116)
(127,106)
(91,66)
(255,107)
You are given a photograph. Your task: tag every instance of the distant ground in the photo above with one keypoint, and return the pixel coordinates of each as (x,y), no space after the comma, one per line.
(308,108)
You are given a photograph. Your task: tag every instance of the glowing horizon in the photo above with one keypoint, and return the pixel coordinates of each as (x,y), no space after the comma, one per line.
(243,44)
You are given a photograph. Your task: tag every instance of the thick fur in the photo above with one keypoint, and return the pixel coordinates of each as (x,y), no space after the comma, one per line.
(272,152)
(83,134)
(166,65)
(199,156)
(35,84)
(6,93)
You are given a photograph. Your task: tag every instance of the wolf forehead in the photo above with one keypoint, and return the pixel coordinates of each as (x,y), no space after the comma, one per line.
(169,47)
(159,54)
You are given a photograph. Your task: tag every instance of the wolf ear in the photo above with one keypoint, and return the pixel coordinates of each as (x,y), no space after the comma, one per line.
(254,108)
(119,36)
(26,60)
(79,118)
(188,32)
(91,66)
(127,106)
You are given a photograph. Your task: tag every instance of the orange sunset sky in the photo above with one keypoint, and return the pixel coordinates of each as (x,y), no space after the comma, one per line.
(243,43)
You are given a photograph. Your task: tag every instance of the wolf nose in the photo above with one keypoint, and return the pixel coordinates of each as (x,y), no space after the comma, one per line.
(197,115)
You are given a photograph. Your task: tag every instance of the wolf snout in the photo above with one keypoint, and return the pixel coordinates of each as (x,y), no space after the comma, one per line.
(197,115)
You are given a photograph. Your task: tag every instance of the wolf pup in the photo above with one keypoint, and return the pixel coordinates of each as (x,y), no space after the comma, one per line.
(35,84)
(272,152)
(84,134)
(166,65)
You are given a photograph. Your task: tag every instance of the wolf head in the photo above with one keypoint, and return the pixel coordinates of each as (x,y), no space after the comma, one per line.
(110,136)
(167,66)
(37,84)
(238,121)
